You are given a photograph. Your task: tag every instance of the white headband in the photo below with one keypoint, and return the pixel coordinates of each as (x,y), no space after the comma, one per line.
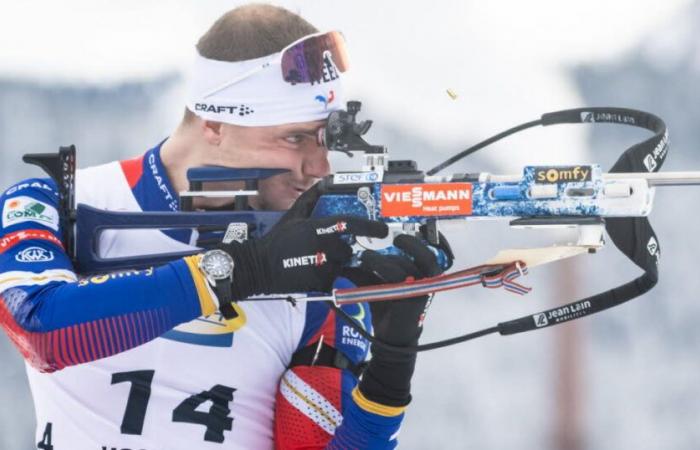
(261,97)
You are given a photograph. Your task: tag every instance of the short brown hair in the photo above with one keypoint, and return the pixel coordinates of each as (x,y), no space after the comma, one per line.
(249,32)
(252,31)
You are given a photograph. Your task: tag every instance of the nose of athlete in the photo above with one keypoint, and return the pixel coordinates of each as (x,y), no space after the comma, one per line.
(315,162)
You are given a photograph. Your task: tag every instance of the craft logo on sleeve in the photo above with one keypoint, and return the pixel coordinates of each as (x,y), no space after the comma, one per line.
(26,209)
(562,174)
(431,199)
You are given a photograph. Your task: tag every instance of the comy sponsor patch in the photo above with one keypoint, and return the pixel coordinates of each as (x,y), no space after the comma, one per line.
(26,209)
(430,199)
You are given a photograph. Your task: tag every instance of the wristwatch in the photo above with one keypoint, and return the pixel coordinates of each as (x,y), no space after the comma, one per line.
(217,267)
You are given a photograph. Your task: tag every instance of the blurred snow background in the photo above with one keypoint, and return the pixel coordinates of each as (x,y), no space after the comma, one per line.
(108,77)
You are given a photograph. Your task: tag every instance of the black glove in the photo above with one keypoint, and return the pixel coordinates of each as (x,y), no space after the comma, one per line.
(387,379)
(303,206)
(298,256)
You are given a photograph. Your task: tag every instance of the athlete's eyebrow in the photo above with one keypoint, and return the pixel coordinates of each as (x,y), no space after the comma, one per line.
(303,129)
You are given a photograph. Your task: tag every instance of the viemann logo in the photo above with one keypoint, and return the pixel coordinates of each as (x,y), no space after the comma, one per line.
(316,259)
(426,199)
(417,196)
(563,173)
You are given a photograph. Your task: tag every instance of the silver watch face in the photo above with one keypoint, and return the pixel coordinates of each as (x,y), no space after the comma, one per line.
(217,264)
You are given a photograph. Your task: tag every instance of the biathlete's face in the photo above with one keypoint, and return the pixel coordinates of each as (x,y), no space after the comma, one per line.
(292,146)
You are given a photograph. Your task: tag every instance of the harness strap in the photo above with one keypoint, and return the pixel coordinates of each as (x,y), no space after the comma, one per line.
(326,356)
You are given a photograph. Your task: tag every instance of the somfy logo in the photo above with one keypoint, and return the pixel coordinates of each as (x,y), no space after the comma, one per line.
(34,254)
(562,174)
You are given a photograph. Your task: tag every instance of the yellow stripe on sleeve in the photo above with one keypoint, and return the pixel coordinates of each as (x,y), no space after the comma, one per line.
(374,407)
(206,300)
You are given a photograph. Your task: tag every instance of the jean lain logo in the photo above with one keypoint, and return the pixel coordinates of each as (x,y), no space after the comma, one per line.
(650,162)
(540,320)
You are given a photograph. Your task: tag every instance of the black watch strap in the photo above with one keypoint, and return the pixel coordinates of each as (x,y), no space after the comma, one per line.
(225,295)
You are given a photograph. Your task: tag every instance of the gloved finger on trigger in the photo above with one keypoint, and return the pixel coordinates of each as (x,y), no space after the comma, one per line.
(443,244)
(337,251)
(405,264)
(360,277)
(422,256)
(385,267)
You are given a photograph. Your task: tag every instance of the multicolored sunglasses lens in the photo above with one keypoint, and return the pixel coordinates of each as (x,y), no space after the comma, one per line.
(316,59)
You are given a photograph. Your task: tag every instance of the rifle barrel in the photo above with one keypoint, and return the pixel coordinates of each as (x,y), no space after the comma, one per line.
(656,179)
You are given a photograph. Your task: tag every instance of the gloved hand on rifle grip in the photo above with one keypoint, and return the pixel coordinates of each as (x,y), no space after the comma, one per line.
(387,379)
(297,256)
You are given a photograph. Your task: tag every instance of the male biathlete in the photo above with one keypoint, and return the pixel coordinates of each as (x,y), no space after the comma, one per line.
(142,359)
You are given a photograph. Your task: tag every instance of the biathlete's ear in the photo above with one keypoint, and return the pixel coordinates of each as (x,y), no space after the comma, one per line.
(303,206)
(211,131)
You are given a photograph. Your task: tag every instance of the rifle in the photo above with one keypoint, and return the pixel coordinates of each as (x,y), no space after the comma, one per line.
(409,200)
